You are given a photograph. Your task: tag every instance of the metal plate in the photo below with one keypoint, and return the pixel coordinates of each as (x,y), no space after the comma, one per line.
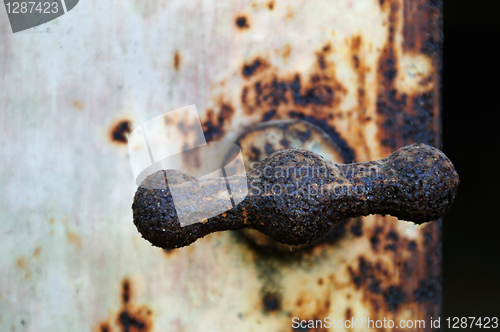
(366,72)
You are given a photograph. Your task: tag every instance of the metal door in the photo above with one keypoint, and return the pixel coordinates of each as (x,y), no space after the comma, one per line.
(364,75)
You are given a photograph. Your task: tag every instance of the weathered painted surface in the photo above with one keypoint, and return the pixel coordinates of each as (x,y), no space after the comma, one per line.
(366,72)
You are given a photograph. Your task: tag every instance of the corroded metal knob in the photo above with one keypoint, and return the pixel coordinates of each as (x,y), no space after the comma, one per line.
(295,196)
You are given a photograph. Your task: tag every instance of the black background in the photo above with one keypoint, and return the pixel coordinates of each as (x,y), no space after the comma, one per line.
(471,236)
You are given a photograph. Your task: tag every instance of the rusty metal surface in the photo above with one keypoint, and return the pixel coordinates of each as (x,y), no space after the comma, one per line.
(295,196)
(365,72)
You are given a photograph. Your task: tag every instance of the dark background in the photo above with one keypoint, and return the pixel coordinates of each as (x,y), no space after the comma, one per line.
(471,236)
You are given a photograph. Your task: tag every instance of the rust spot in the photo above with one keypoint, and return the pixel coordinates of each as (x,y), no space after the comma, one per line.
(321,56)
(268,148)
(74,239)
(286,51)
(21,263)
(78,105)
(270,5)
(126,291)
(356,228)
(120,131)
(268,115)
(272,302)
(318,95)
(304,135)
(299,302)
(315,78)
(255,154)
(348,314)
(392,235)
(226,112)
(213,127)
(37,251)
(314,321)
(104,327)
(168,251)
(130,318)
(285,143)
(321,61)
(355,44)
(429,290)
(427,237)
(391,247)
(242,22)
(394,297)
(374,239)
(177,60)
(250,69)
(244,93)
(135,320)
(355,59)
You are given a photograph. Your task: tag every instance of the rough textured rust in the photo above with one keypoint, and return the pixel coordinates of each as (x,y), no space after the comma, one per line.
(422,27)
(120,131)
(177,60)
(213,126)
(416,183)
(294,95)
(381,290)
(126,291)
(104,328)
(242,22)
(130,318)
(254,67)
(407,119)
(272,302)
(260,141)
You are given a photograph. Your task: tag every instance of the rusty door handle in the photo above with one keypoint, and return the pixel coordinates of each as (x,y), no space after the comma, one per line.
(295,196)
